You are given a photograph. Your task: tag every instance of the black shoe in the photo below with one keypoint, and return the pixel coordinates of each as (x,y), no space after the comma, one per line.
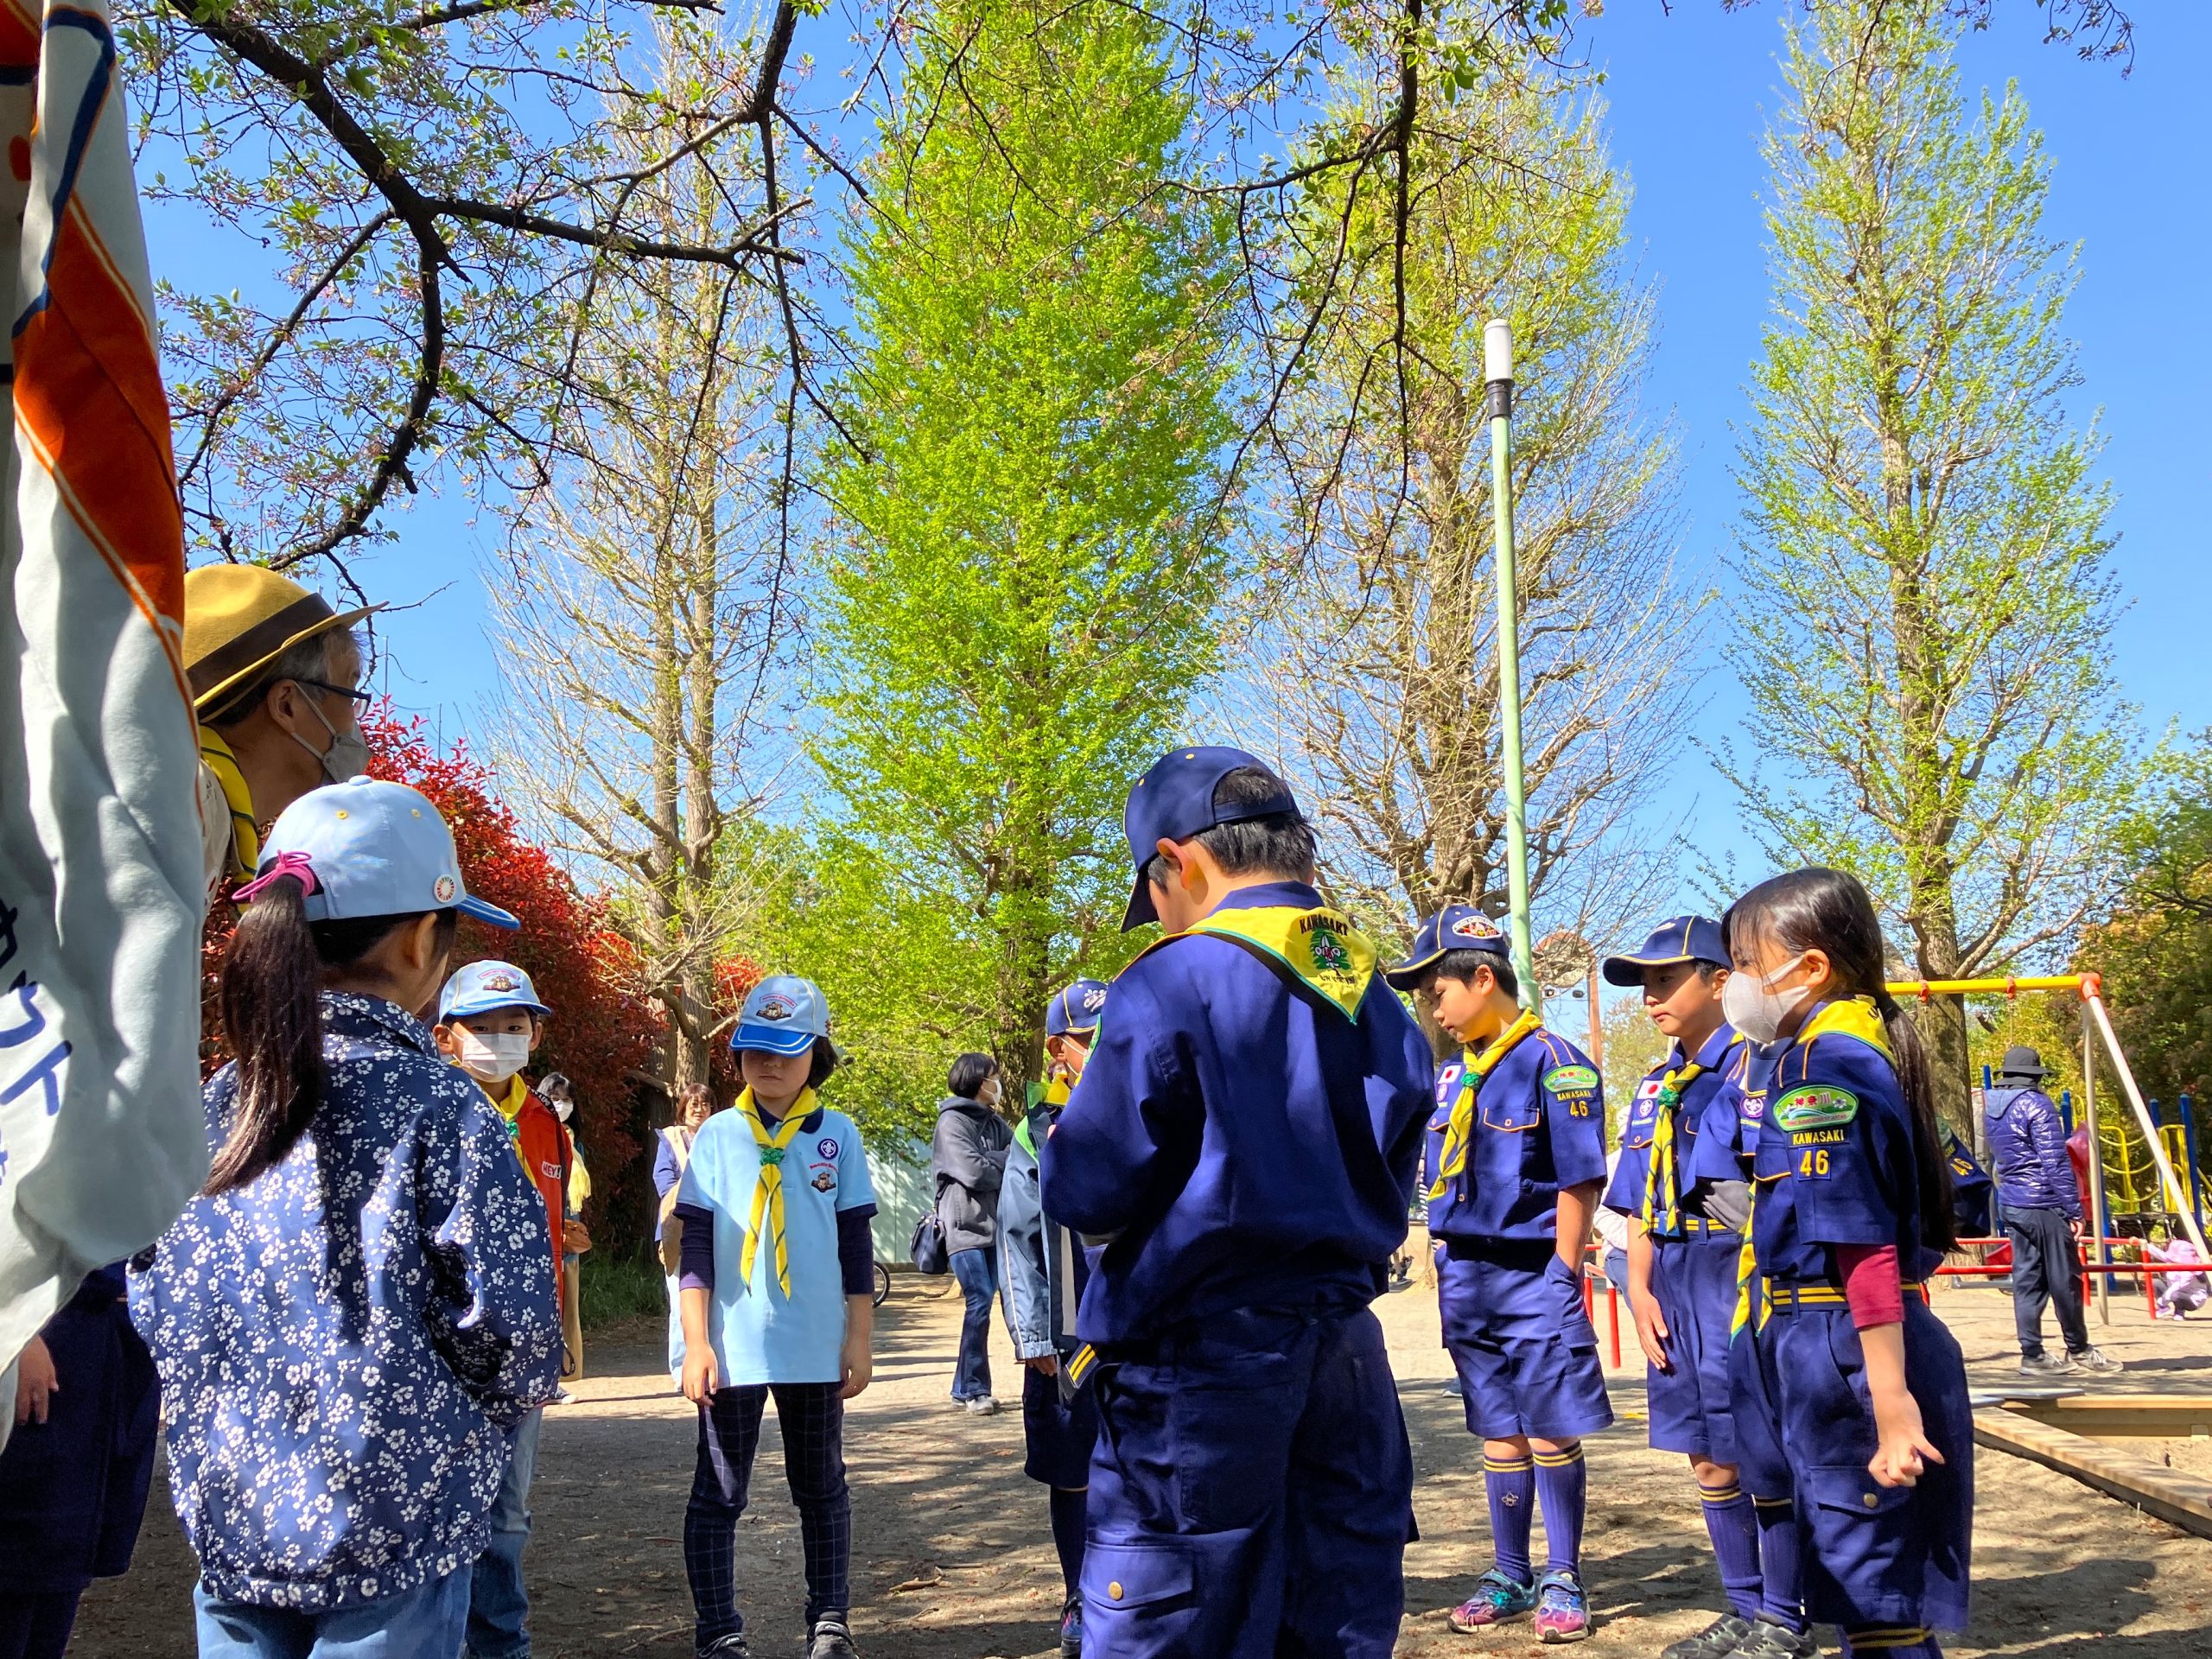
(1768,1640)
(2046,1365)
(728,1647)
(1724,1635)
(831,1641)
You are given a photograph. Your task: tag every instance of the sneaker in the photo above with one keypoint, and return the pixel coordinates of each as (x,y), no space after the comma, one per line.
(831,1641)
(2046,1365)
(981,1406)
(729,1647)
(1562,1610)
(1768,1640)
(562,1397)
(2089,1359)
(1071,1629)
(1497,1598)
(1724,1635)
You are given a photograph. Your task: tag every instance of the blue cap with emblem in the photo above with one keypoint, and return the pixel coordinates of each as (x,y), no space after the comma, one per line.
(1174,800)
(1455,927)
(484,988)
(367,848)
(784,1014)
(1076,1008)
(1685,939)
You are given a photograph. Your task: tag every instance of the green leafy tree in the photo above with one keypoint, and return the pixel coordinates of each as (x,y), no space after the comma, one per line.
(1021,601)
(1926,611)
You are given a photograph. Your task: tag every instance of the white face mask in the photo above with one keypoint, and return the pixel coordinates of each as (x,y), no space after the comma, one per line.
(347,757)
(495,1058)
(1747,1003)
(562,1108)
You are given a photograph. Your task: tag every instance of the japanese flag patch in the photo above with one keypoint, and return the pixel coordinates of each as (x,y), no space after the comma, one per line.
(1815,1106)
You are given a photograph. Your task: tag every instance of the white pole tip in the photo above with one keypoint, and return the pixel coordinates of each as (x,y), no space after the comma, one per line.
(1497,350)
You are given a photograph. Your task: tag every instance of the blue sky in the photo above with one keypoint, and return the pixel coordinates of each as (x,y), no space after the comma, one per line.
(1689,94)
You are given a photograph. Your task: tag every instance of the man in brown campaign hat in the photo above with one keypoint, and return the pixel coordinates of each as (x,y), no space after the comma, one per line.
(275,676)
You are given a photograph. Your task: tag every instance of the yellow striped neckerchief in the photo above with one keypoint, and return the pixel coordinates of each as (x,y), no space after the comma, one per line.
(1459,1134)
(1316,942)
(1854,1016)
(1662,1213)
(768,1191)
(245,834)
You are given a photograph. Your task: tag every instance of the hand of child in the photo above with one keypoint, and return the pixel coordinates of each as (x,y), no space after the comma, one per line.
(1044,1365)
(858,1365)
(1650,1329)
(35,1382)
(1904,1451)
(700,1379)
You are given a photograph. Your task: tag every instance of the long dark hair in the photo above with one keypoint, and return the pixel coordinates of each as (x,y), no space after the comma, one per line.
(1829,911)
(272,1013)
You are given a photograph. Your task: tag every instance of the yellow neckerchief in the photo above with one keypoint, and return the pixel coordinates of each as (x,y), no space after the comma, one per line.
(768,1191)
(1854,1017)
(1459,1135)
(1662,1203)
(1319,945)
(510,1105)
(245,834)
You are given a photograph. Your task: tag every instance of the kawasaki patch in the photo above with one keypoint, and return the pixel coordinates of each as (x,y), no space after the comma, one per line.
(1815,1106)
(1571,1079)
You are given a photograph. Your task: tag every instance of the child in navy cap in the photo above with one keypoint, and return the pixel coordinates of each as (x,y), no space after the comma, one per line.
(776,1285)
(1044,1268)
(1244,1136)
(353,1317)
(1517,1150)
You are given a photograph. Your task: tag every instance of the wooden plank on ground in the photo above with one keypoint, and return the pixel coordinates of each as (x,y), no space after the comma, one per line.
(2161,1416)
(2182,1499)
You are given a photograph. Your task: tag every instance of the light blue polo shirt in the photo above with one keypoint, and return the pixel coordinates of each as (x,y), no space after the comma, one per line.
(758,1334)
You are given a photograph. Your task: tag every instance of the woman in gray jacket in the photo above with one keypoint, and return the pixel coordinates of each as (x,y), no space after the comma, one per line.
(968,1163)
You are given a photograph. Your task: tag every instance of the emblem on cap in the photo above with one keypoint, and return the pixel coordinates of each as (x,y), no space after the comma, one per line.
(502,981)
(1474,927)
(445,888)
(775,1008)
(1094,999)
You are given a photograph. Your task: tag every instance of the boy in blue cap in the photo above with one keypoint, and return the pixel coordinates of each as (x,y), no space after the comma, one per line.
(777,1284)
(1043,1269)
(1243,1140)
(1518,1149)
(1684,1183)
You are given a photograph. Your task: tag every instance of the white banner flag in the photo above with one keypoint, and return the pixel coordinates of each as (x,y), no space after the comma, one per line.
(100,884)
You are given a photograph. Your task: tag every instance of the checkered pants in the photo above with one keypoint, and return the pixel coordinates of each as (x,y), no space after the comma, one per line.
(812,1418)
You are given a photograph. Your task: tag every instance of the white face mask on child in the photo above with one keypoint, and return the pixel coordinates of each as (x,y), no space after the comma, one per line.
(1747,1003)
(495,1058)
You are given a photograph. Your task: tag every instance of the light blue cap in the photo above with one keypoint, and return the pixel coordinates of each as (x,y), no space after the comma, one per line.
(373,849)
(784,1014)
(486,987)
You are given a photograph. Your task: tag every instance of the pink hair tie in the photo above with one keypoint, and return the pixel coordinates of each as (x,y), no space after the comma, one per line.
(296,865)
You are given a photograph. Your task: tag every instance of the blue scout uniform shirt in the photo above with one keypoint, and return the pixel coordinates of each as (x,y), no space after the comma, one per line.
(760,1335)
(1540,1126)
(1706,1127)
(1834,1163)
(1239,1140)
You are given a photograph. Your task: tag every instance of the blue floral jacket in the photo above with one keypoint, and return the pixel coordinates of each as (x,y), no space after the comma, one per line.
(344,1341)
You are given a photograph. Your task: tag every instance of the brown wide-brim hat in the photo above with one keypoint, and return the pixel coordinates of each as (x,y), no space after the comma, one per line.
(241,618)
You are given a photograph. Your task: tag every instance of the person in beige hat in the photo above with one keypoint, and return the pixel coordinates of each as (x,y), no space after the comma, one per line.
(274,672)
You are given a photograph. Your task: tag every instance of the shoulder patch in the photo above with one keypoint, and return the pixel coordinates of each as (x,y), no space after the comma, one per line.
(1571,1079)
(1815,1106)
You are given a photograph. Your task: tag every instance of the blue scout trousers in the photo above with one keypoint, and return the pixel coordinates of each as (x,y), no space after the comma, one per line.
(1694,1280)
(1875,1554)
(1251,1495)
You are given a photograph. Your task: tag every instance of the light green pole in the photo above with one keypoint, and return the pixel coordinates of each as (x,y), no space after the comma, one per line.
(1497,377)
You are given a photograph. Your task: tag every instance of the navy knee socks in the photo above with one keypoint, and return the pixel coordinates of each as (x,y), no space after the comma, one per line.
(1781,1566)
(1563,1490)
(1068,1507)
(1511,1483)
(1735,1532)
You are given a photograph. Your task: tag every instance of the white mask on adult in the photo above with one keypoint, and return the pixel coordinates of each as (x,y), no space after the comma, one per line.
(493,1058)
(1749,1004)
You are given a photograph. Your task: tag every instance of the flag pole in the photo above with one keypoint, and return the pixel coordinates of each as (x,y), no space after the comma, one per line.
(1497,377)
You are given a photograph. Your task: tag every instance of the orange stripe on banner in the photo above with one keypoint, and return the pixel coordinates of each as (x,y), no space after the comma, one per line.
(88,392)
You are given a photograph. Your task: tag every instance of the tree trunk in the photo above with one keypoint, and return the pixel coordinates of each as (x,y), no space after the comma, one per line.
(1942,1020)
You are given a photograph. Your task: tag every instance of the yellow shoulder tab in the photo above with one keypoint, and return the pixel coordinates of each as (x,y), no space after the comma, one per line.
(1854,1017)
(1320,946)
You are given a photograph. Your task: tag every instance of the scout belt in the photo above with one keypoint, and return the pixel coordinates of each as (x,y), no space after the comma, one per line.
(1790,1298)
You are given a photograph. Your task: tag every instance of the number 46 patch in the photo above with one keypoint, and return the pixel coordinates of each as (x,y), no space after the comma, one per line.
(1813,1163)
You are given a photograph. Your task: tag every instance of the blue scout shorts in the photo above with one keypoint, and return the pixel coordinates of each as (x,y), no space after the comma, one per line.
(1874,1555)
(1523,1343)
(1251,1495)
(1694,1280)
(1058,1437)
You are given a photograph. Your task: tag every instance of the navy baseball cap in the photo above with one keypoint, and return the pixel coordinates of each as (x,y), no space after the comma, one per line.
(1685,939)
(1174,800)
(784,1014)
(486,987)
(367,848)
(1455,927)
(1076,1008)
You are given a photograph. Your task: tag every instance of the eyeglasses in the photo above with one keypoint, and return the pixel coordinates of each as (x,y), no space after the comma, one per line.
(364,698)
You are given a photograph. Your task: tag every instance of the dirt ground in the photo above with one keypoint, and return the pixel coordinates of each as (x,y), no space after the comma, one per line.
(953,1559)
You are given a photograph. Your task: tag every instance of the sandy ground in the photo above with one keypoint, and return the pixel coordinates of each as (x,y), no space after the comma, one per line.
(954,1560)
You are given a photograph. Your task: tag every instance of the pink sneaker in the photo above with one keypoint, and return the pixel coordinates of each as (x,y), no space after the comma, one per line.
(1562,1610)
(1497,1598)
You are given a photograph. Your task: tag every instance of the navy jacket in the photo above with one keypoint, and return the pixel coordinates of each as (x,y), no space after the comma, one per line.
(1239,1140)
(2027,1152)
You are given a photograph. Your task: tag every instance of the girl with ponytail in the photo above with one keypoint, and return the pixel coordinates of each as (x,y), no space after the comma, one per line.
(358,1307)
(1856,1391)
